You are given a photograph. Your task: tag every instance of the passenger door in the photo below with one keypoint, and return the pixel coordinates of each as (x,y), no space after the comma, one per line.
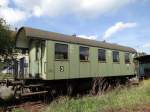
(61,64)
(35,56)
(84,61)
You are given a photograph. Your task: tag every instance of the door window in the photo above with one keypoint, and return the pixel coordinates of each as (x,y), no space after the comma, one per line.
(115,56)
(61,51)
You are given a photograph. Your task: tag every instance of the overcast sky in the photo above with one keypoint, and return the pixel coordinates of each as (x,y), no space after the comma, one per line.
(125,22)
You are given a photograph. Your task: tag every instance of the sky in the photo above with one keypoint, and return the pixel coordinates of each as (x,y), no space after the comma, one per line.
(124,22)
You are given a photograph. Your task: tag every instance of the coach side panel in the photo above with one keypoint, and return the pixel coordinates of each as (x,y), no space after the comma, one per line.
(73,67)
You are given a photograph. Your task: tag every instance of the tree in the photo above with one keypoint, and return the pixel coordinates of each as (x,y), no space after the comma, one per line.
(7,38)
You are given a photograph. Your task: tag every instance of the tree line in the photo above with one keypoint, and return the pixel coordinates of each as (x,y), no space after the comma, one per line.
(7,38)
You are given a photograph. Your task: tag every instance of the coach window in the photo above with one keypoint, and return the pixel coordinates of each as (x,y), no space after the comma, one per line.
(84,53)
(127,58)
(61,51)
(102,55)
(115,56)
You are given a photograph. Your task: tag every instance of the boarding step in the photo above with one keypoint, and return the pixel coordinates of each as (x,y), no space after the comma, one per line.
(34,93)
(33,85)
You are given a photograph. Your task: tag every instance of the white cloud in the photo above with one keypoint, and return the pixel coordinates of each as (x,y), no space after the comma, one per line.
(53,8)
(93,37)
(90,8)
(37,11)
(147,45)
(11,15)
(117,27)
(79,7)
(44,7)
(145,48)
(4,3)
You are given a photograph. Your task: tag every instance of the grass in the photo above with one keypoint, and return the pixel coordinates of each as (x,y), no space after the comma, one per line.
(5,76)
(119,99)
(127,99)
(18,110)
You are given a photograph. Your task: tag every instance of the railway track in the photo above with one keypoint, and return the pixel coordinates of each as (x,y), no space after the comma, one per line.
(36,102)
(29,106)
(36,106)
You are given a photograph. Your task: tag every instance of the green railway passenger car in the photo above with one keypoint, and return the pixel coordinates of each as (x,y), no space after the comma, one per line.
(54,56)
(62,61)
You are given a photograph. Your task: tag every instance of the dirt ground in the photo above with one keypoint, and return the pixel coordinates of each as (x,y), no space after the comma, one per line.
(33,107)
(39,107)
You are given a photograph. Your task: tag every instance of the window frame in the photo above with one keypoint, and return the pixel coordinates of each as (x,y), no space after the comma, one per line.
(61,59)
(81,60)
(129,61)
(113,60)
(102,61)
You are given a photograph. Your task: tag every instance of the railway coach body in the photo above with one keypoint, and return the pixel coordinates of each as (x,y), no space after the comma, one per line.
(143,66)
(54,56)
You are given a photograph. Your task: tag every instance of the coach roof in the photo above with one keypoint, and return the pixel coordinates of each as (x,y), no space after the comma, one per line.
(46,35)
